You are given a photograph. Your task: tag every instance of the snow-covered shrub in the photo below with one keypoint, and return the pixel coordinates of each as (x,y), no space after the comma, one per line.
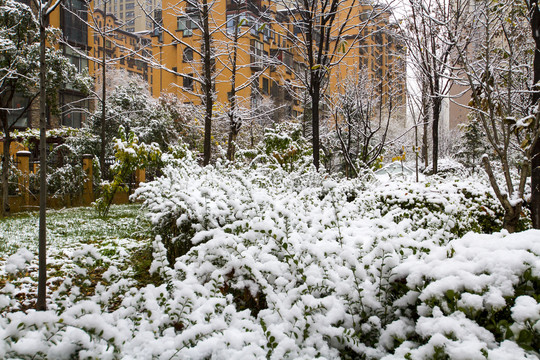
(13,178)
(19,261)
(316,267)
(285,265)
(447,167)
(130,156)
(470,296)
(65,174)
(283,147)
(131,106)
(457,207)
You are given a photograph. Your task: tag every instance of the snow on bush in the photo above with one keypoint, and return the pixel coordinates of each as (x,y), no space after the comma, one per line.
(270,264)
(18,261)
(342,268)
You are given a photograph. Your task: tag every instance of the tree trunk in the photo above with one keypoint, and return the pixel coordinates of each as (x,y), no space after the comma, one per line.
(315,95)
(425,118)
(41,303)
(231,146)
(535,153)
(207,85)
(435,133)
(103,98)
(234,127)
(5,166)
(511,219)
(535,183)
(512,211)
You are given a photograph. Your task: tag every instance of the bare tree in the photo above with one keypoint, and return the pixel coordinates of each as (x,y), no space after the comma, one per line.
(494,65)
(327,33)
(317,27)
(105,32)
(430,27)
(239,27)
(196,20)
(364,109)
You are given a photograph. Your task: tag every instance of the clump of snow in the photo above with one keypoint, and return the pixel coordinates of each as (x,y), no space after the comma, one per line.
(525,309)
(18,261)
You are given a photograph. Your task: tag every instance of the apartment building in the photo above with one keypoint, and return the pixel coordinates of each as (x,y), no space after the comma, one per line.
(122,49)
(132,15)
(258,47)
(74,106)
(85,47)
(269,64)
(369,48)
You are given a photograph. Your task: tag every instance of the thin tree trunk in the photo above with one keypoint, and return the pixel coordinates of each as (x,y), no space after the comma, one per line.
(535,185)
(416,149)
(535,153)
(435,133)
(234,127)
(512,212)
(41,303)
(315,125)
(5,167)
(207,84)
(103,96)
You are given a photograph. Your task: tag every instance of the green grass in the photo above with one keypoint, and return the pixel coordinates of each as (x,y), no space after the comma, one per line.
(120,240)
(71,225)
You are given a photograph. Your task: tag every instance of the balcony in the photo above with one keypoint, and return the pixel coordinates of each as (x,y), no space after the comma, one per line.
(253,6)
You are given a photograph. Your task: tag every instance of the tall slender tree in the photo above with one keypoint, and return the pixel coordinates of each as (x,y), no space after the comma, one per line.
(534,21)
(45,8)
(318,27)
(492,60)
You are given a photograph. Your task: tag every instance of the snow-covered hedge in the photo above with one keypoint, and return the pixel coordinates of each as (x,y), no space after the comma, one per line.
(305,267)
(269,264)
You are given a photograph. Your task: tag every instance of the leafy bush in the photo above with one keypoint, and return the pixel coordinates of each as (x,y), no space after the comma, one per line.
(282,147)
(296,265)
(130,156)
(328,269)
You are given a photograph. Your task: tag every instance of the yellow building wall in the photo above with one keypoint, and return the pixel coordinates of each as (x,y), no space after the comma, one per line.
(169,53)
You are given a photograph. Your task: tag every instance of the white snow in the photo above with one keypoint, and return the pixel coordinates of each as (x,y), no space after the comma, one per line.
(296,266)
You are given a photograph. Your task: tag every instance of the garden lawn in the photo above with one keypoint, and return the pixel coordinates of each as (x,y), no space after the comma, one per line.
(81,248)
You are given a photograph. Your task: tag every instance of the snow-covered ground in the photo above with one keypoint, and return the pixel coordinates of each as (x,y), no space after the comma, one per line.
(281,266)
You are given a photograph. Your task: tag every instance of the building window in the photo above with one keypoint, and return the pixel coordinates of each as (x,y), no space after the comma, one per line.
(231,22)
(76,58)
(265,85)
(74,17)
(257,51)
(130,14)
(130,6)
(268,34)
(74,110)
(16,117)
(186,24)
(187,82)
(188,55)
